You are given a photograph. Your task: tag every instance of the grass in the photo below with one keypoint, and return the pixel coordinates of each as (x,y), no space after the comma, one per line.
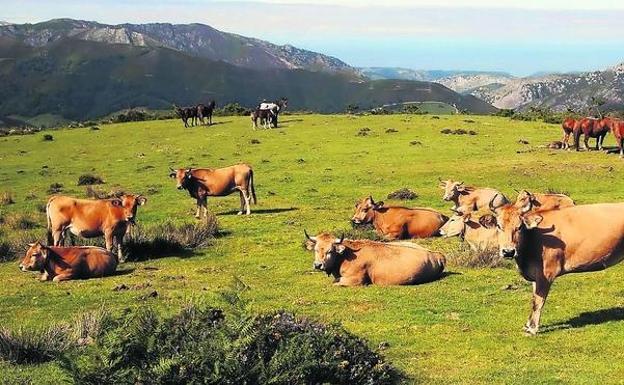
(463,329)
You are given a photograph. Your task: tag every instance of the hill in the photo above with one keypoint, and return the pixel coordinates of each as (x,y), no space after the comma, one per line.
(80,79)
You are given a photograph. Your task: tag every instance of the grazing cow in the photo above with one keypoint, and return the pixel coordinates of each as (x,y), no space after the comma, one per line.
(204,111)
(467,198)
(591,128)
(568,128)
(363,262)
(92,218)
(204,182)
(64,263)
(186,113)
(527,201)
(617,129)
(480,235)
(394,222)
(548,244)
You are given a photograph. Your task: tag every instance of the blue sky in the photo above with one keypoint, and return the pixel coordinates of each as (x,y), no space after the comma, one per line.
(517,36)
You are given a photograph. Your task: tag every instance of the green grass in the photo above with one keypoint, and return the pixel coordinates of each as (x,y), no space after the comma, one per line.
(464,328)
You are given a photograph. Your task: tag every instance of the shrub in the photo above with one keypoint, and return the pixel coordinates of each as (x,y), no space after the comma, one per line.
(88,179)
(18,221)
(403,194)
(7,251)
(48,138)
(465,257)
(55,188)
(391,130)
(363,232)
(132,115)
(25,346)
(6,198)
(254,141)
(232,109)
(202,345)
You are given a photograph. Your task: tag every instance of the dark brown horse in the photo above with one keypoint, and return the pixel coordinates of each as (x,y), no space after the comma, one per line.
(205,111)
(186,113)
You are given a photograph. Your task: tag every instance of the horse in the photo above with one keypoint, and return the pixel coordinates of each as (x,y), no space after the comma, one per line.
(266,116)
(186,113)
(277,107)
(205,111)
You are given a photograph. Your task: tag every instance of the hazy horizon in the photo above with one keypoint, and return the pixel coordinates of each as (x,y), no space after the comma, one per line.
(518,37)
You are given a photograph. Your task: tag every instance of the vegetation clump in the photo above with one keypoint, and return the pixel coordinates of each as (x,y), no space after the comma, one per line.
(48,138)
(6,198)
(55,188)
(89,179)
(403,194)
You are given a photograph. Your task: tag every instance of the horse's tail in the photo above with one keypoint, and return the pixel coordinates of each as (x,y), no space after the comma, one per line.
(252,188)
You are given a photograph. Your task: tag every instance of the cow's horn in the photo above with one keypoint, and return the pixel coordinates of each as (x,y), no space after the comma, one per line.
(491,204)
(339,241)
(313,239)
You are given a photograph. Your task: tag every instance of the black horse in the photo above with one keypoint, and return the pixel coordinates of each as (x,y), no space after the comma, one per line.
(205,111)
(186,113)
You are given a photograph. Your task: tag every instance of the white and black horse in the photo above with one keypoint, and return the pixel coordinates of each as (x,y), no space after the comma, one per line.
(268,113)
(205,111)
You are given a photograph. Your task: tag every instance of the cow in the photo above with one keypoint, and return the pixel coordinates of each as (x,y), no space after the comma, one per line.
(548,244)
(65,263)
(467,198)
(617,129)
(395,222)
(204,182)
(206,111)
(91,218)
(480,235)
(568,128)
(363,262)
(591,128)
(527,201)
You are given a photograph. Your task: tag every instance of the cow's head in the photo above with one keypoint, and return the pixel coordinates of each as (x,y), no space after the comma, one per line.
(35,257)
(451,188)
(129,203)
(456,225)
(525,201)
(364,210)
(182,176)
(327,250)
(511,224)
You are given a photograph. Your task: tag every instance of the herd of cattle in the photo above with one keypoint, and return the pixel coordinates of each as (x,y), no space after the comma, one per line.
(545,233)
(593,128)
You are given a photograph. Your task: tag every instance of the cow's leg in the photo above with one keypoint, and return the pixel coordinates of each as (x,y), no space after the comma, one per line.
(541,287)
(45,276)
(57,237)
(242,203)
(350,281)
(205,206)
(198,202)
(118,239)
(108,239)
(62,277)
(565,140)
(621,145)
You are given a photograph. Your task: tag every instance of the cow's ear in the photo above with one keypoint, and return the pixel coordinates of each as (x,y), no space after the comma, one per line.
(340,248)
(141,200)
(309,245)
(44,252)
(116,202)
(531,221)
(488,221)
(379,204)
(461,187)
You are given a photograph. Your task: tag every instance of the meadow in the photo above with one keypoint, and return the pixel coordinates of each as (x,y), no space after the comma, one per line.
(462,329)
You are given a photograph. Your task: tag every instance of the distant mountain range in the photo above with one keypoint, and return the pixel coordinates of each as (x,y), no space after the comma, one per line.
(376,73)
(81,69)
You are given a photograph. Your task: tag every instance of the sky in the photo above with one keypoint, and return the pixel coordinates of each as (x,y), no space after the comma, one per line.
(521,37)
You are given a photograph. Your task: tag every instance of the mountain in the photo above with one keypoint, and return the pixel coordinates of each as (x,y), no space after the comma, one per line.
(467,82)
(194,39)
(558,91)
(78,78)
(424,75)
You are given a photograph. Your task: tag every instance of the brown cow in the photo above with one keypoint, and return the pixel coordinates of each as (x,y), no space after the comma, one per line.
(64,263)
(591,128)
(527,201)
(617,129)
(362,262)
(551,243)
(92,218)
(480,235)
(204,182)
(467,198)
(394,222)
(568,128)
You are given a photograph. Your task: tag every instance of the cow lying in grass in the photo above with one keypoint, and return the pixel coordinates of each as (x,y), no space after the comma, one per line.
(468,199)
(362,262)
(479,234)
(395,222)
(527,201)
(65,263)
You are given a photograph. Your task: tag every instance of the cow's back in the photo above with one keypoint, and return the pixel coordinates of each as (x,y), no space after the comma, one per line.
(223,180)
(83,261)
(415,222)
(552,201)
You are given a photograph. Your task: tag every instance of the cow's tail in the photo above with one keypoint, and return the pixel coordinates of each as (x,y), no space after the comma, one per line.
(251,187)
(49,219)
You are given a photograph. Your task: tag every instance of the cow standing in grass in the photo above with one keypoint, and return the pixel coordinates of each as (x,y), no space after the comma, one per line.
(395,222)
(363,262)
(65,263)
(204,182)
(467,198)
(89,218)
(548,244)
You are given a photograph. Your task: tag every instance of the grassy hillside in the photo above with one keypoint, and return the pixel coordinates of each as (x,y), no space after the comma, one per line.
(463,329)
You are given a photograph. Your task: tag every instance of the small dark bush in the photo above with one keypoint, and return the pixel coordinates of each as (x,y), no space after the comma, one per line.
(55,188)
(415,143)
(446,131)
(48,138)
(403,194)
(88,179)
(254,141)
(465,257)
(362,232)
(132,115)
(94,128)
(365,131)
(33,346)
(391,130)
(6,198)
(469,121)
(459,131)
(7,251)
(435,117)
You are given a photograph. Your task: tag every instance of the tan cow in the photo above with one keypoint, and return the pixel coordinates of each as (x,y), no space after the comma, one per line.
(467,198)
(204,182)
(91,218)
(551,243)
(362,262)
(480,235)
(64,263)
(527,201)
(395,222)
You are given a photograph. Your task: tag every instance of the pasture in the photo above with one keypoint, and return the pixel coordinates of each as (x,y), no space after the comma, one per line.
(462,329)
